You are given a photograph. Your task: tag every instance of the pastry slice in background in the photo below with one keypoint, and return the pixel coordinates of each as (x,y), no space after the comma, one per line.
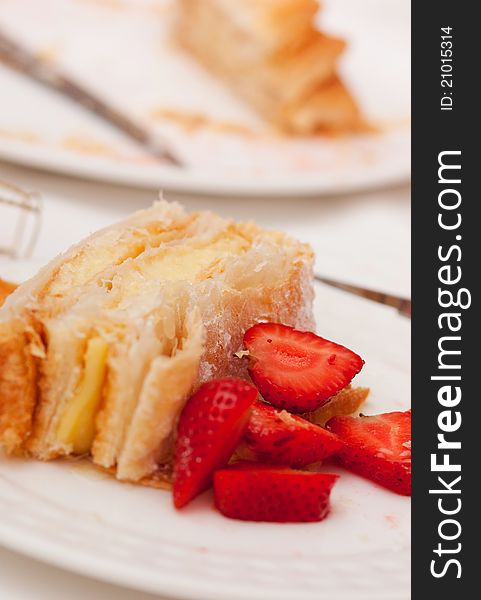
(271,53)
(101,349)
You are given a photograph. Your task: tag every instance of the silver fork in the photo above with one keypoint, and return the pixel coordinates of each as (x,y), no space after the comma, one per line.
(20,220)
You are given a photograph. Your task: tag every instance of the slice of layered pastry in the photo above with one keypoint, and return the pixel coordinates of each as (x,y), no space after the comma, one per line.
(100,350)
(271,53)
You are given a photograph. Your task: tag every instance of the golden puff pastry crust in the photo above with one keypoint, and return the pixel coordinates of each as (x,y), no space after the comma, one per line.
(101,349)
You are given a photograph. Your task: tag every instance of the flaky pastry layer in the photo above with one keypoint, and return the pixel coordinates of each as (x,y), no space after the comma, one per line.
(165,297)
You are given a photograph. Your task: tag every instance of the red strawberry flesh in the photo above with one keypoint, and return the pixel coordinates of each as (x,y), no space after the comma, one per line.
(278,437)
(297,370)
(211,425)
(377,447)
(260,493)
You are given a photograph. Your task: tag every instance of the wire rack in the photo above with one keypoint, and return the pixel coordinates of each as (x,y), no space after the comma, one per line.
(20,220)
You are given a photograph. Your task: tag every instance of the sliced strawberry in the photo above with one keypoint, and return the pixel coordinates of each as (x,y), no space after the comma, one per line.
(260,493)
(277,437)
(377,447)
(297,370)
(210,427)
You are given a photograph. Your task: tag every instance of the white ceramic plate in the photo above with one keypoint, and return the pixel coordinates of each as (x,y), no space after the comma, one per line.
(71,516)
(121,49)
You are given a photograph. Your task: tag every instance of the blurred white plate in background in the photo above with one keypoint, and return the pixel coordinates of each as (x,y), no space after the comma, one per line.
(72,516)
(121,50)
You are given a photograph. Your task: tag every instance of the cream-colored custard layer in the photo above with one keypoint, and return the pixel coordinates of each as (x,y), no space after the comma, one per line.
(188,263)
(93,259)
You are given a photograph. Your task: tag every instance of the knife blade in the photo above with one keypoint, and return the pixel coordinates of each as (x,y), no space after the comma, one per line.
(402,305)
(23,60)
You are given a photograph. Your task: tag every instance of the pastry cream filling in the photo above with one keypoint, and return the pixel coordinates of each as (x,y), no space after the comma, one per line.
(182,263)
(77,426)
(92,260)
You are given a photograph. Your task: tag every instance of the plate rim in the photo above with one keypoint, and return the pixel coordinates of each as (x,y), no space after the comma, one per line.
(172,586)
(171,179)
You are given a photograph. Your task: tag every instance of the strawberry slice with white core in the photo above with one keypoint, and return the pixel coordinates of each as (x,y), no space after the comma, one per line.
(297,370)
(252,492)
(377,447)
(278,437)
(211,425)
